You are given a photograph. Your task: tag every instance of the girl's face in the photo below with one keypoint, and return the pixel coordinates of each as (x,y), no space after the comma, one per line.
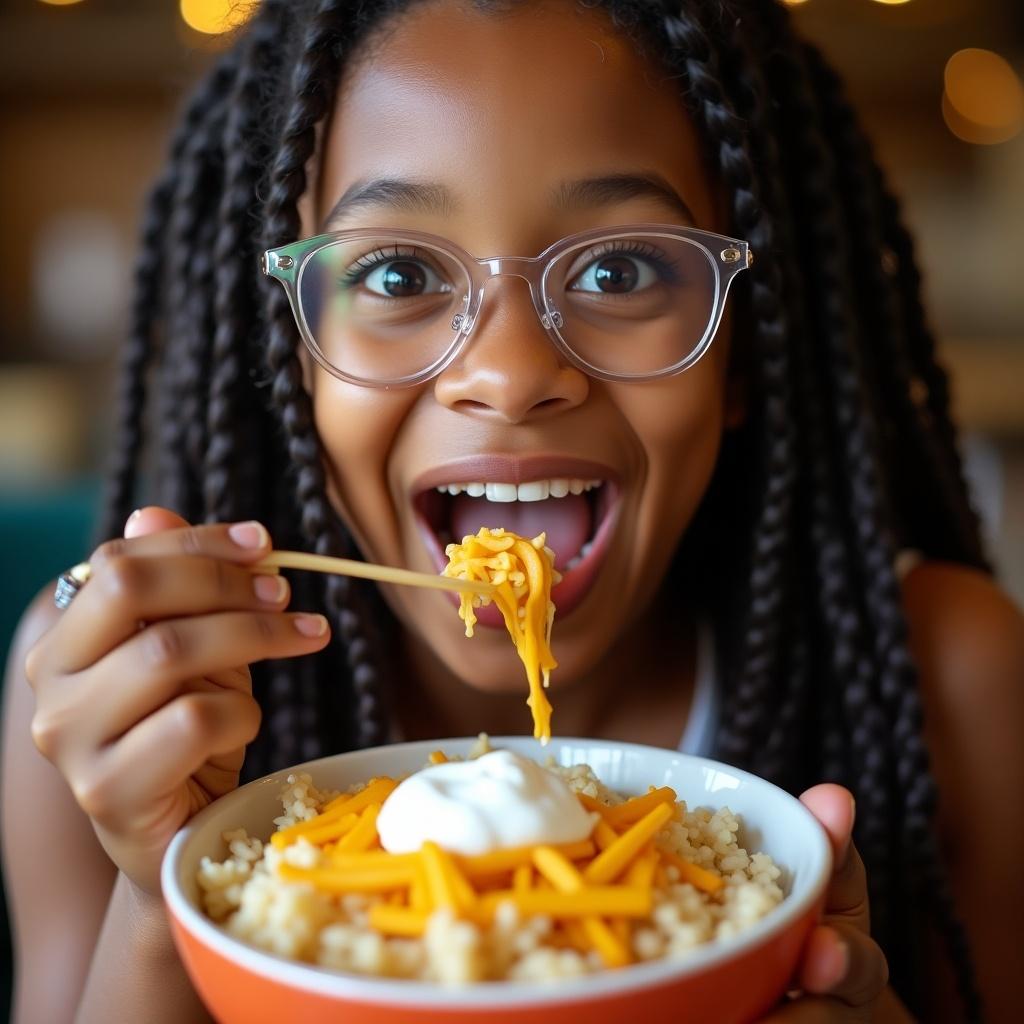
(500,114)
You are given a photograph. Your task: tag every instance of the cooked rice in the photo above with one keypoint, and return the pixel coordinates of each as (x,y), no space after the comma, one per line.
(245,896)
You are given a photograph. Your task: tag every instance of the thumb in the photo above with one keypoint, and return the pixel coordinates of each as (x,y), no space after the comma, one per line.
(152,519)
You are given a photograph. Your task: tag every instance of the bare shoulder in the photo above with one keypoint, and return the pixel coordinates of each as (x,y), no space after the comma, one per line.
(56,846)
(968,638)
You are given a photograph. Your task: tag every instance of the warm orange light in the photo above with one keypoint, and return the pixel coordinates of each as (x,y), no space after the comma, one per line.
(794,3)
(984,98)
(892,3)
(60,3)
(216,16)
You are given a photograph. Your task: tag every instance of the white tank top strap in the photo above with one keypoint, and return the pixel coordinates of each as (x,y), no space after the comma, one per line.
(702,723)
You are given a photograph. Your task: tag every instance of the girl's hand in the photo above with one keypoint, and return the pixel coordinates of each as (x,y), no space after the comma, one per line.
(143,695)
(843,972)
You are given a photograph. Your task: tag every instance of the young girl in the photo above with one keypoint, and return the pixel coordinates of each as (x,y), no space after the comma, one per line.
(770,554)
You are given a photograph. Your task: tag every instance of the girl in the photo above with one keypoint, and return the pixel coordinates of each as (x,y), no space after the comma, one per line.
(734,561)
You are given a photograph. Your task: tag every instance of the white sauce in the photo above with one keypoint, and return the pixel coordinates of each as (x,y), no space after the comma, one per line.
(492,802)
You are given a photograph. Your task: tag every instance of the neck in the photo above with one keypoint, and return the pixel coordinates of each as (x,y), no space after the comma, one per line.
(654,658)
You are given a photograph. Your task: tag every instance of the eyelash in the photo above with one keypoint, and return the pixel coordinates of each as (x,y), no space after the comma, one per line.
(362,266)
(617,248)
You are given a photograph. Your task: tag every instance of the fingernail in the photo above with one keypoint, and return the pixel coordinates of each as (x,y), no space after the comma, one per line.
(249,535)
(130,524)
(271,589)
(842,962)
(311,625)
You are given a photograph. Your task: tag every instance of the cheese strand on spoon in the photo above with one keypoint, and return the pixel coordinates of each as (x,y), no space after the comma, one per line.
(522,572)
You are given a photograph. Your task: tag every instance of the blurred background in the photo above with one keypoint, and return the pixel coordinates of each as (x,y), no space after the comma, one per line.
(88,89)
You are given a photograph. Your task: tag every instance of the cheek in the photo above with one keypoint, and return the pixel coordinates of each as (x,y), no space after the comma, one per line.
(678,423)
(358,428)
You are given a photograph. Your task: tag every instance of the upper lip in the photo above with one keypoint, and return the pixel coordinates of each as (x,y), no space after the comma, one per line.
(512,469)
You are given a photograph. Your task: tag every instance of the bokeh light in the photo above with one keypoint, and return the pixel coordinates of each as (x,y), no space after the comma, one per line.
(214,17)
(983,102)
(892,3)
(60,3)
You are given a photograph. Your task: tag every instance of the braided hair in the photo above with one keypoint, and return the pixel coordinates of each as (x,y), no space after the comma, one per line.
(848,453)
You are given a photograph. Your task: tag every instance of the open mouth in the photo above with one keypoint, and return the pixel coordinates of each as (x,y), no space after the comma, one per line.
(576,513)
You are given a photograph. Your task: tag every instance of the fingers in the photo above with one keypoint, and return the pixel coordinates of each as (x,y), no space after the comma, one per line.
(235,542)
(130,590)
(152,519)
(847,893)
(151,668)
(842,961)
(833,806)
(172,744)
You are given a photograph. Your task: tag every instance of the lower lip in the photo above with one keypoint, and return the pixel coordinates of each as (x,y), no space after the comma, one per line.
(566,595)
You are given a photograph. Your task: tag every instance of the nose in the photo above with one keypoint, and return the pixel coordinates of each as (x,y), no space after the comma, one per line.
(509,369)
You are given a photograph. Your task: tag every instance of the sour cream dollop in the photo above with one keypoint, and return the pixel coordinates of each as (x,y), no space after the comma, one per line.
(492,802)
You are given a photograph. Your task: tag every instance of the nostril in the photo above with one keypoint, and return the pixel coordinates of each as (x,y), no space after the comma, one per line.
(551,404)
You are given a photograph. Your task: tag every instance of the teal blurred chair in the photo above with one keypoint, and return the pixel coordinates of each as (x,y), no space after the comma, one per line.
(41,534)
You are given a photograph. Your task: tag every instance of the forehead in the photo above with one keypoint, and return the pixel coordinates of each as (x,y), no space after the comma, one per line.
(500,108)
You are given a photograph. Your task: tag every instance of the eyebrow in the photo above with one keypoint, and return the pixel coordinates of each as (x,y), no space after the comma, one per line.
(586,193)
(410,196)
(432,198)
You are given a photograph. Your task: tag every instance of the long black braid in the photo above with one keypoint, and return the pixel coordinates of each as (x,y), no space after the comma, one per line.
(316,71)
(142,344)
(844,394)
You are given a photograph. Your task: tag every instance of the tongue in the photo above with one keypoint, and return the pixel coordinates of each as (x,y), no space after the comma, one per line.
(566,521)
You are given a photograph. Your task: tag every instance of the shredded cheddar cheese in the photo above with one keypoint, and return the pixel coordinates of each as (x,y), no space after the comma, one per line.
(523,572)
(594,889)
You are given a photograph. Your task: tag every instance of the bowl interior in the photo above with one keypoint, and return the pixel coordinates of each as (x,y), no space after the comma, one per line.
(772,821)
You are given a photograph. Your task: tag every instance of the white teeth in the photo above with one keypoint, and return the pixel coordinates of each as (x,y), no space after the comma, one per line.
(579,556)
(536,490)
(500,492)
(533,490)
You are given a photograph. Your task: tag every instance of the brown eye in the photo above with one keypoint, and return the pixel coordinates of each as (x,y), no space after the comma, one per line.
(400,279)
(616,274)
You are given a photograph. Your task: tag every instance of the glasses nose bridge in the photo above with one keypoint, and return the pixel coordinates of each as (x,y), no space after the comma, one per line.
(527,268)
(530,269)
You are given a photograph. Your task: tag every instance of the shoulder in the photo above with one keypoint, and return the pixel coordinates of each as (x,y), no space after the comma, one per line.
(967,637)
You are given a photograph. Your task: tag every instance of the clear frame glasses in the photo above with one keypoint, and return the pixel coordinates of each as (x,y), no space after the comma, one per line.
(388,308)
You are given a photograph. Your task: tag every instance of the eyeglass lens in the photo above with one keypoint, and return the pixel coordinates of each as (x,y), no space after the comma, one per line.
(383,309)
